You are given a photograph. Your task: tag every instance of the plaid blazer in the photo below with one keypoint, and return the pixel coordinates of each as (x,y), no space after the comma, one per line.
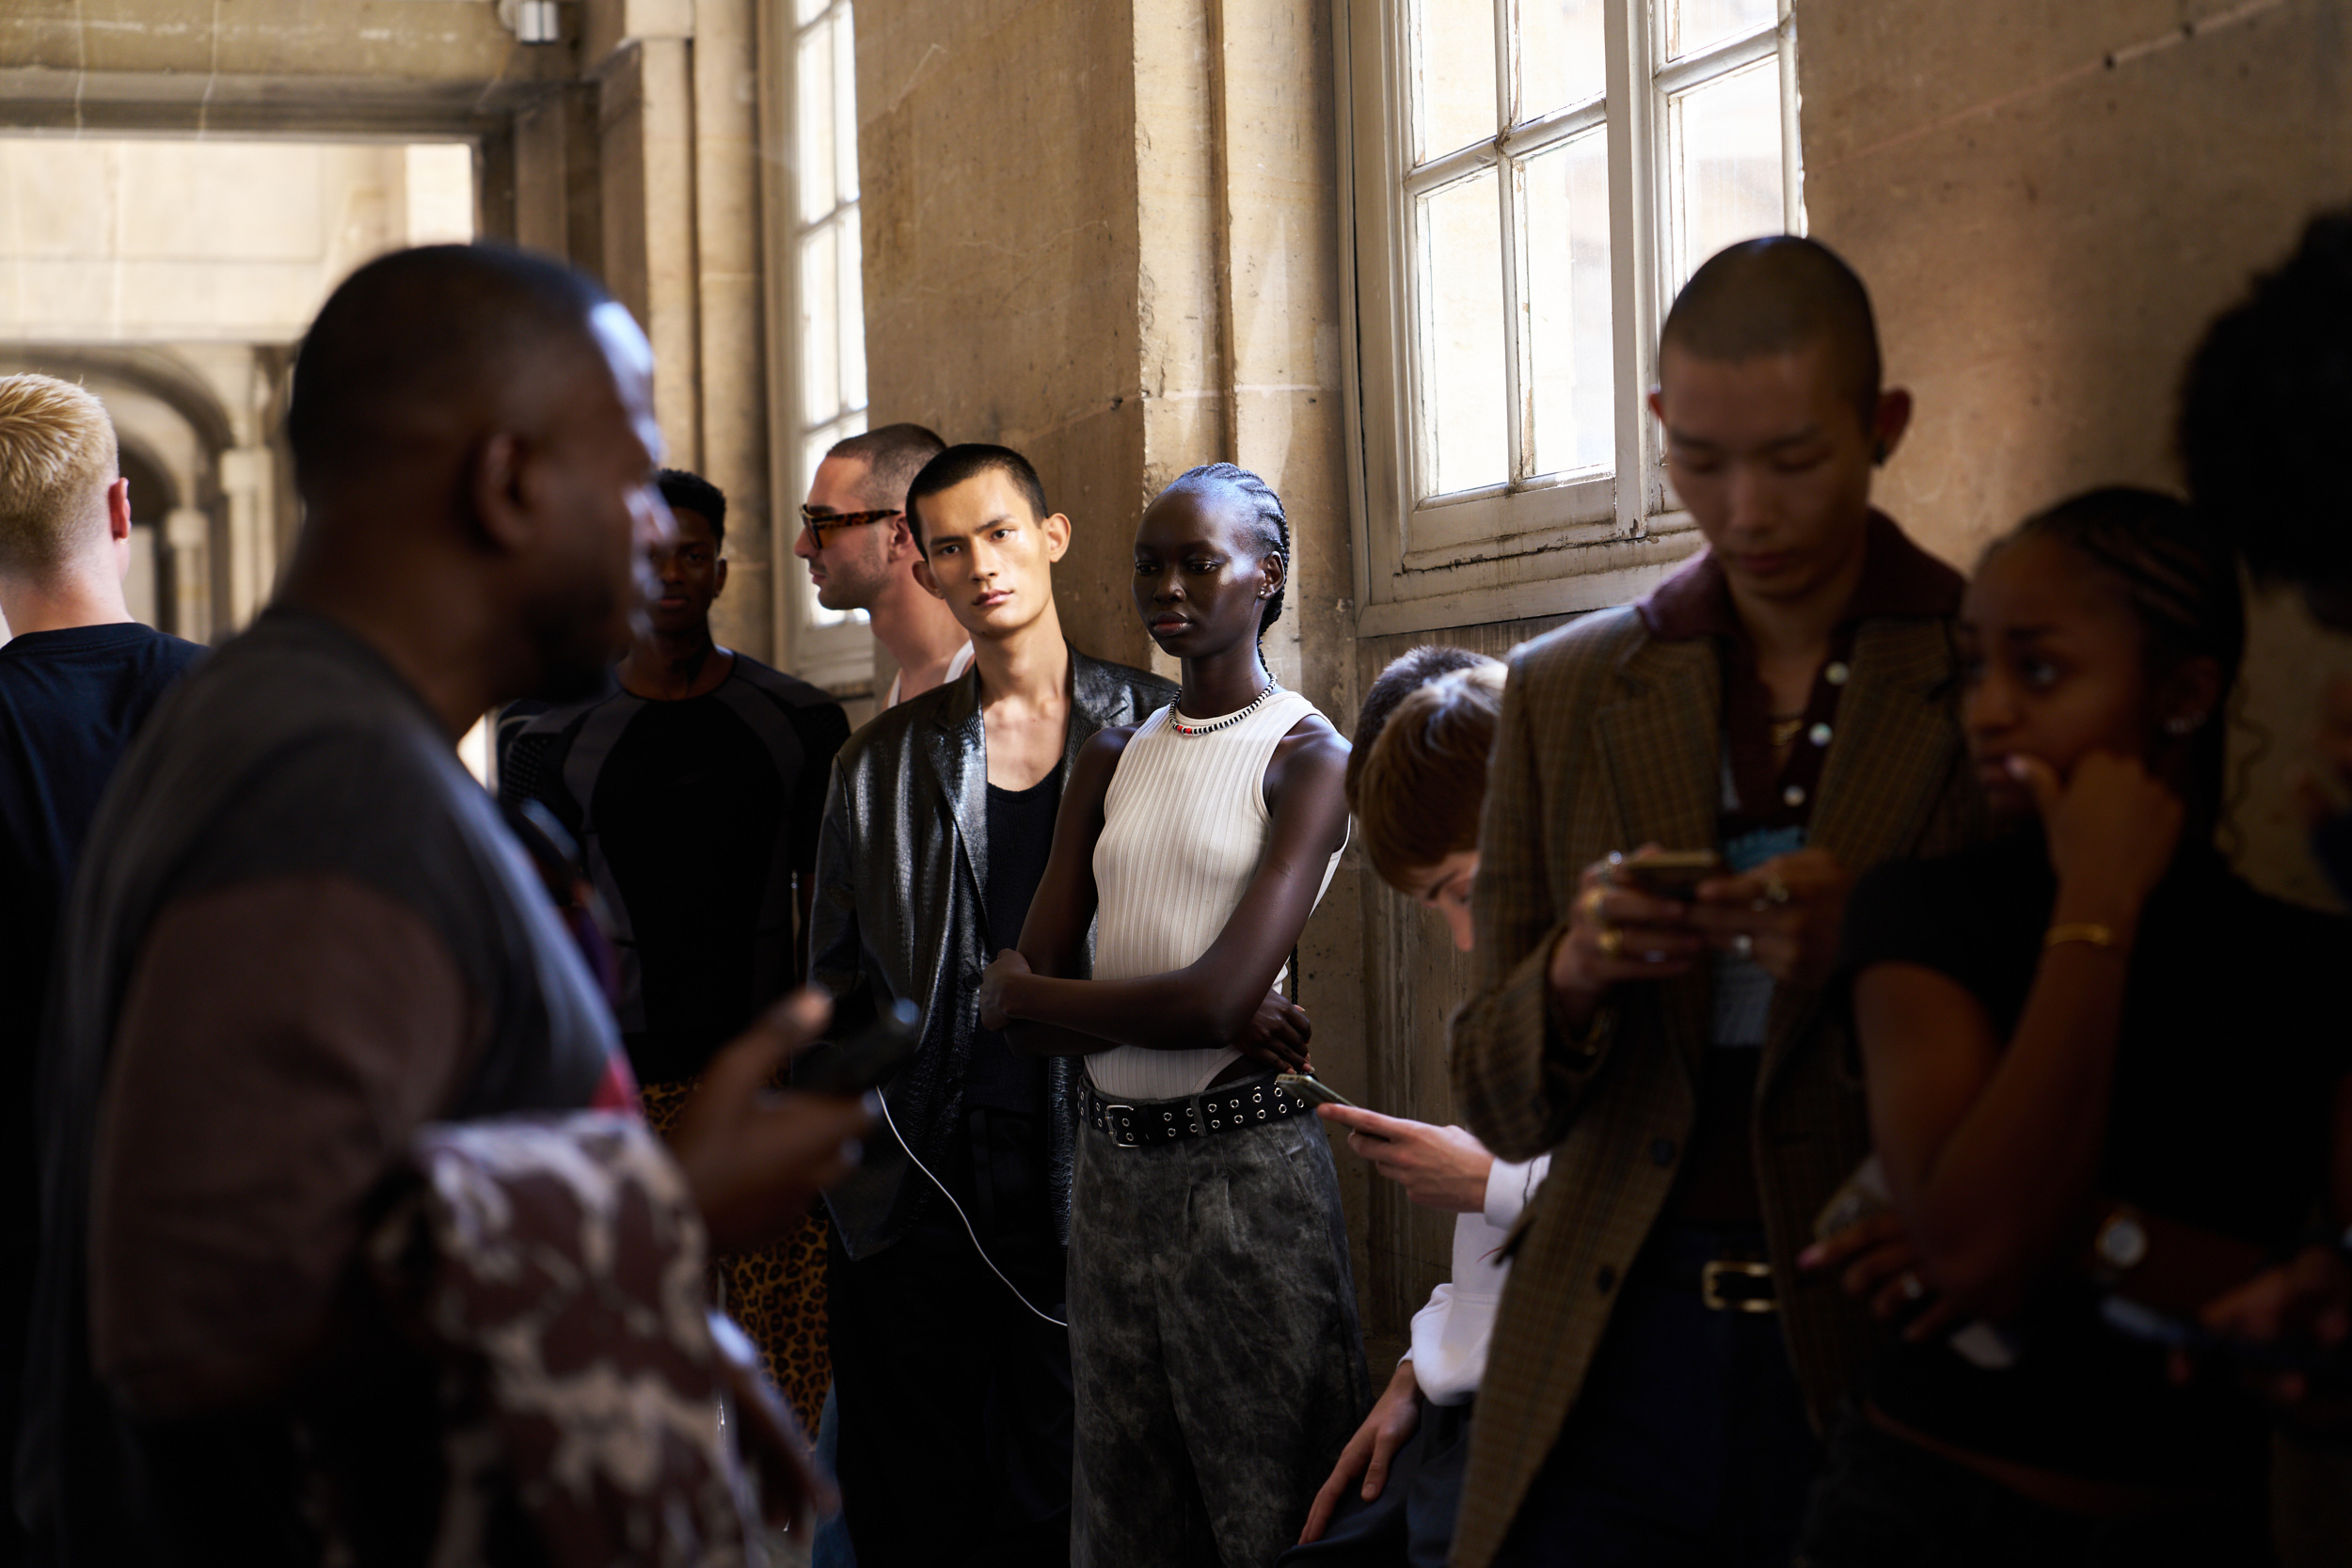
(1610,739)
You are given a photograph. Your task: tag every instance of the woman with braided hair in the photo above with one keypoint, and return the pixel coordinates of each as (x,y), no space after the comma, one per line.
(2106,1080)
(1214,1345)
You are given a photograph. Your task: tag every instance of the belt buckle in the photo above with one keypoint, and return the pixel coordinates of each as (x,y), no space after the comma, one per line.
(1712,1286)
(1126,1138)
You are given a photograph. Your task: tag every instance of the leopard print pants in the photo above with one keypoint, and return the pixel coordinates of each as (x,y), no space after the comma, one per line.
(775,1293)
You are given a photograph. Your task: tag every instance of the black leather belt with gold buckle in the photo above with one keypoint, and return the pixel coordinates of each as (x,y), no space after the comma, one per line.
(1225,1108)
(1737,1285)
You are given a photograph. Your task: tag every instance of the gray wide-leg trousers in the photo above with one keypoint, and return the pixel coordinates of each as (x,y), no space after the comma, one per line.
(1214,1345)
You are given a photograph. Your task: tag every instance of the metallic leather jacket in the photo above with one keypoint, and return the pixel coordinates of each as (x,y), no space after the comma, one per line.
(902,869)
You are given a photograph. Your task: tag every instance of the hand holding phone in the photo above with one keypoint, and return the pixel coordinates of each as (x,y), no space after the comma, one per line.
(1439,1167)
(866,1059)
(1674,873)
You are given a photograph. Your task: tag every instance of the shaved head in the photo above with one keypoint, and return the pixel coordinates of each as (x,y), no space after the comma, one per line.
(1779,295)
(428,345)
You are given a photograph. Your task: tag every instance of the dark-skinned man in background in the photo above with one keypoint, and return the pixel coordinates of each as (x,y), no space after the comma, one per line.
(695,793)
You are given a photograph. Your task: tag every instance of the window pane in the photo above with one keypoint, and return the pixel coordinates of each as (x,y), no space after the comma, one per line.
(814,159)
(808,11)
(820,308)
(1568,307)
(1460,287)
(852,312)
(845,104)
(1726,156)
(1560,55)
(1694,25)
(1454,75)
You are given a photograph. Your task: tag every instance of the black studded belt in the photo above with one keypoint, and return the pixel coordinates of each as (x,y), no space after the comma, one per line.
(1225,1108)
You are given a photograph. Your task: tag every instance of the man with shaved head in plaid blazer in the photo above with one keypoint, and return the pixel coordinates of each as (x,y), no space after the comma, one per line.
(1785,704)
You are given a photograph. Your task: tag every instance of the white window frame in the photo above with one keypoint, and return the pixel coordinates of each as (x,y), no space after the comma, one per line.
(1537,544)
(837,656)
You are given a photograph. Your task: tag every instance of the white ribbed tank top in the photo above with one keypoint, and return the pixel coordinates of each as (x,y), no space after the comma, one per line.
(1184,825)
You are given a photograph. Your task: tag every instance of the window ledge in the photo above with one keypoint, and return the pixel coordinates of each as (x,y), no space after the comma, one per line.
(1551,579)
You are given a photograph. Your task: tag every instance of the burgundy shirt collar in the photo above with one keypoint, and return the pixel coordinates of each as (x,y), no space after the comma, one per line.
(1899,579)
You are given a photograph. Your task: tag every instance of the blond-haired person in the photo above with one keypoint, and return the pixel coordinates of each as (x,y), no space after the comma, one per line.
(75,681)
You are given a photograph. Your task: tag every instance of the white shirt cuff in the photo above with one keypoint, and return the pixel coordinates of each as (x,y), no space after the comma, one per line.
(1510,1186)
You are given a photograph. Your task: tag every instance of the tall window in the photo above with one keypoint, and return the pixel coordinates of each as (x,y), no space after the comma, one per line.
(1532,181)
(824,380)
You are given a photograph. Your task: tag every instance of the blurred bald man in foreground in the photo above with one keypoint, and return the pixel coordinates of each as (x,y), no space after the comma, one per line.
(302,940)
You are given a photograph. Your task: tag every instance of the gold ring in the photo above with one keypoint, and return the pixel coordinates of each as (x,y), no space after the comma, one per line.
(1592,899)
(1776,890)
(1611,941)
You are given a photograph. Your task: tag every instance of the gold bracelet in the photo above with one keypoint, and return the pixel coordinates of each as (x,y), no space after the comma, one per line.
(2089,932)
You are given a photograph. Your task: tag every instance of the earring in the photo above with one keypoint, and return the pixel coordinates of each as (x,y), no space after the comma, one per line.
(1878,454)
(2180,723)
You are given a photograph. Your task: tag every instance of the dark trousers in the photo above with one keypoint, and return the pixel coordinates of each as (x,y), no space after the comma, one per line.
(1213,1330)
(1411,1524)
(1689,1442)
(954,1398)
(1889,1503)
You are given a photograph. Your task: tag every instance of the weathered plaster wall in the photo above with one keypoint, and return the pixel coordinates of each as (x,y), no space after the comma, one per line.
(2049,202)
(1002,256)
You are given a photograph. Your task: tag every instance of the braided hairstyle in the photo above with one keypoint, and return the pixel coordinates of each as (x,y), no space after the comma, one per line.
(2179,575)
(1270,528)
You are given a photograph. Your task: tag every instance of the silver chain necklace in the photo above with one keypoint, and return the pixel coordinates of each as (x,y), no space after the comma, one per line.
(1182,725)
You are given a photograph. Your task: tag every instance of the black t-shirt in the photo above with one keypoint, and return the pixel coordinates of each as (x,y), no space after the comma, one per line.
(698,814)
(70,701)
(2233,1038)
(1020,841)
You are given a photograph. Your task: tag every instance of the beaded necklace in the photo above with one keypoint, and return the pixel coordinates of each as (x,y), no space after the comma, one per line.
(1182,725)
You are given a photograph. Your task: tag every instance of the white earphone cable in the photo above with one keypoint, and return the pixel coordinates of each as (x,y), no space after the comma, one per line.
(964,1217)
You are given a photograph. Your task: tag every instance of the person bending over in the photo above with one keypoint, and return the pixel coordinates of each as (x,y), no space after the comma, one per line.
(1417,781)
(1213,1344)
(2098,1063)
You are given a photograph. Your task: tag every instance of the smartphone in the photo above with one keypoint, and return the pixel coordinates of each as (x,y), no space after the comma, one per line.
(1313,1090)
(1862,1194)
(1669,873)
(866,1059)
(2136,1320)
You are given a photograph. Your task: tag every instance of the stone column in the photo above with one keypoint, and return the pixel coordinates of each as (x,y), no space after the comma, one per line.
(244,484)
(731,351)
(679,202)
(187,536)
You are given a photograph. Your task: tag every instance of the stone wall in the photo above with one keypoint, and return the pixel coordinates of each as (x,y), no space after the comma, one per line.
(2049,204)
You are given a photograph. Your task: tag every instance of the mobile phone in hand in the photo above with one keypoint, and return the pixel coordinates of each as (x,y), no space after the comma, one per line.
(1669,873)
(1313,1090)
(866,1059)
